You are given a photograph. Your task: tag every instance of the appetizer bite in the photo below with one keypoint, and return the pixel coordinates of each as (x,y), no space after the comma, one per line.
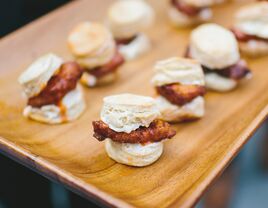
(134,136)
(217,50)
(127,20)
(180,86)
(51,88)
(94,49)
(251,28)
(185,13)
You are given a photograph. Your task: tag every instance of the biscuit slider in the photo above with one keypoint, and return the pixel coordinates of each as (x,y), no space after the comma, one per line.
(180,86)
(217,50)
(133,135)
(94,49)
(52,90)
(127,20)
(183,13)
(251,28)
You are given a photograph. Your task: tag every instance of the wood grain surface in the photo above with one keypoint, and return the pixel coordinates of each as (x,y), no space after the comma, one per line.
(70,155)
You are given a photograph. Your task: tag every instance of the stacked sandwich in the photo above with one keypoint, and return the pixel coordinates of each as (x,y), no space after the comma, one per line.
(217,50)
(127,20)
(180,86)
(251,28)
(189,12)
(131,129)
(52,90)
(94,49)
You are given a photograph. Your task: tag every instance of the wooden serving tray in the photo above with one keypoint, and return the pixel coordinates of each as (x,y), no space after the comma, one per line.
(70,155)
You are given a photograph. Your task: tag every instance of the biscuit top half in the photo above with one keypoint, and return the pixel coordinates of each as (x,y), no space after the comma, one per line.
(178,70)
(252,19)
(127,112)
(214,46)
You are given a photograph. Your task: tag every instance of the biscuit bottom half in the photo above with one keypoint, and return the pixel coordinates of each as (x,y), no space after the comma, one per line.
(174,113)
(71,108)
(180,19)
(138,155)
(137,47)
(219,83)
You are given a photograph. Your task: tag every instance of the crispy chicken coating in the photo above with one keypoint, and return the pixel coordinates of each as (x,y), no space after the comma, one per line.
(237,71)
(110,67)
(125,41)
(240,36)
(58,86)
(156,132)
(179,94)
(186,9)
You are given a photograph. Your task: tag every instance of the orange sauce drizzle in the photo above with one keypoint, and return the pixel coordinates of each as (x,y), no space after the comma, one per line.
(63,111)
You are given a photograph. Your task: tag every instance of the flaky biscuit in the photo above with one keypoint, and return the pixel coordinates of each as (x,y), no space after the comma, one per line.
(252,19)
(36,76)
(127,18)
(219,83)
(138,155)
(73,105)
(198,3)
(87,37)
(179,19)
(100,58)
(178,70)
(128,112)
(214,46)
(92,44)
(174,113)
(139,46)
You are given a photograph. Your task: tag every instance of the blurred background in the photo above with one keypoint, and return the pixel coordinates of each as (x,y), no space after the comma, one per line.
(244,184)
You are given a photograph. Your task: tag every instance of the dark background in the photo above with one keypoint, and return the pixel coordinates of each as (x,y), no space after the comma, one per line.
(16,13)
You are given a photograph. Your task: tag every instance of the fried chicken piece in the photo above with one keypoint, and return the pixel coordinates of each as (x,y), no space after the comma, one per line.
(58,86)
(110,67)
(125,41)
(180,94)
(157,131)
(240,36)
(186,9)
(236,71)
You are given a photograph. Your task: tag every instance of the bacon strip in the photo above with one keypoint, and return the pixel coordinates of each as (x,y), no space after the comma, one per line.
(237,71)
(125,41)
(110,67)
(181,94)
(186,9)
(58,86)
(156,132)
(240,36)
